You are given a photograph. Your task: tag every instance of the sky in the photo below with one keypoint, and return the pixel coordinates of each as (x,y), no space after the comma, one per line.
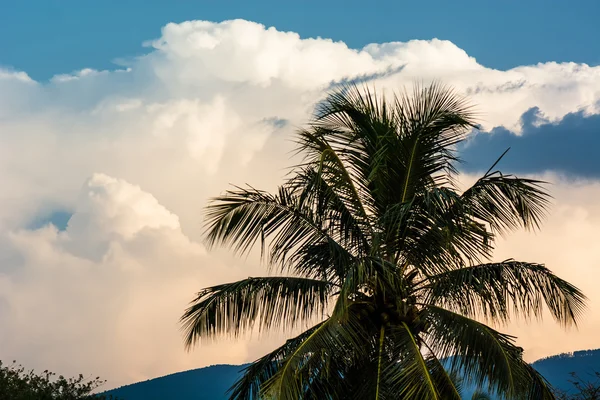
(118,120)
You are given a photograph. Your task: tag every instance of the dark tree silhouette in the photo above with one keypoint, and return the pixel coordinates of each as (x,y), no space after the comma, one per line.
(16,383)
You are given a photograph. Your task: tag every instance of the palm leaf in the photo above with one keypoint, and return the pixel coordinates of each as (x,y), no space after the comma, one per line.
(331,339)
(245,216)
(492,290)
(482,354)
(271,302)
(248,387)
(396,150)
(330,167)
(441,237)
(447,384)
(408,374)
(506,202)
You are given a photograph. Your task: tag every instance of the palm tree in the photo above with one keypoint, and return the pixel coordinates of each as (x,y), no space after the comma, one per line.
(387,256)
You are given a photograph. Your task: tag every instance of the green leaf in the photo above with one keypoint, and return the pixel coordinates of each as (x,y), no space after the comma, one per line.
(235,307)
(506,202)
(248,387)
(332,339)
(408,374)
(493,290)
(483,355)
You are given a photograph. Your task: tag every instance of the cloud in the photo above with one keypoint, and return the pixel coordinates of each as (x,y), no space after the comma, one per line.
(567,146)
(105,294)
(9,75)
(208,105)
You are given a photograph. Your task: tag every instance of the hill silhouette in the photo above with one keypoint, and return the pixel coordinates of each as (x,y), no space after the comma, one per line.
(211,383)
(557,368)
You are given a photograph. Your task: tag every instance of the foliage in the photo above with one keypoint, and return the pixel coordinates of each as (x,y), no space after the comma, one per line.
(18,384)
(388,255)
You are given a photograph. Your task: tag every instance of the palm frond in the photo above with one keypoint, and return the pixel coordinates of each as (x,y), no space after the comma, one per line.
(332,167)
(448,384)
(380,358)
(333,339)
(394,150)
(444,237)
(437,119)
(407,374)
(248,387)
(427,235)
(494,290)
(244,216)
(537,387)
(481,354)
(506,202)
(336,215)
(236,307)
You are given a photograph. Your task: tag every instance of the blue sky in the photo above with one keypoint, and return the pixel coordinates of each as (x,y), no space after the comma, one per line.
(47,37)
(105,173)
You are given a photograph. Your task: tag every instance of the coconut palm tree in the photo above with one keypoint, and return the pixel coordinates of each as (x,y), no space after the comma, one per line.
(388,258)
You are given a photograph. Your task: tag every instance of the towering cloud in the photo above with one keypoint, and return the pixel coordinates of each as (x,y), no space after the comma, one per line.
(133,154)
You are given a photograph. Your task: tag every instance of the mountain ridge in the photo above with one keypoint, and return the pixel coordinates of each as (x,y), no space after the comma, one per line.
(212,382)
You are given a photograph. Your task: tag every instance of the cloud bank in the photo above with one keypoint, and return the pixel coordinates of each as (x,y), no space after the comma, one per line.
(133,155)
(568,146)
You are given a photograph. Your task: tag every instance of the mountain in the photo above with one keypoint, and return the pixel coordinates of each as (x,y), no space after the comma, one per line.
(211,383)
(557,369)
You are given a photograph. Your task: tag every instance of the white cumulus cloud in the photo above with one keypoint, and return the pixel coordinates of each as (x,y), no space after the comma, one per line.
(105,294)
(135,153)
